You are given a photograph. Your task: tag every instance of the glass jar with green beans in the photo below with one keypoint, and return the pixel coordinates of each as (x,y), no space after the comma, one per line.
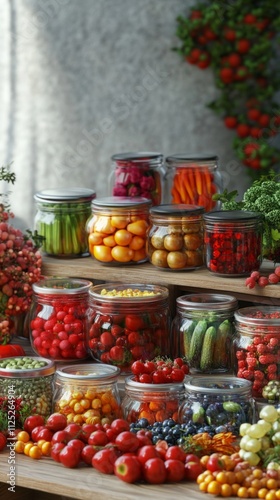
(61,218)
(27,383)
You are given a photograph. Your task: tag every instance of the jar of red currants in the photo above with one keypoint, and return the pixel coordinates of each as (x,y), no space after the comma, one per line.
(257,346)
(127,322)
(57,318)
(233,242)
(154,402)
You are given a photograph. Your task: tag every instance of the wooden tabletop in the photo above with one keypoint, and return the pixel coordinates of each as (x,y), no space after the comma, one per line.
(85,483)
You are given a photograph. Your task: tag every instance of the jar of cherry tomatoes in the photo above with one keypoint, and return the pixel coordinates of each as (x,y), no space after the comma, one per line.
(175,238)
(87,393)
(217,404)
(154,402)
(137,174)
(233,242)
(192,180)
(117,230)
(257,346)
(57,318)
(203,331)
(61,218)
(127,322)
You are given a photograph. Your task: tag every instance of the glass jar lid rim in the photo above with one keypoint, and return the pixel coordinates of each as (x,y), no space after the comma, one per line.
(201,301)
(47,369)
(121,202)
(161,292)
(93,371)
(178,209)
(59,286)
(141,155)
(65,194)
(246,314)
(221,385)
(130,383)
(231,215)
(179,157)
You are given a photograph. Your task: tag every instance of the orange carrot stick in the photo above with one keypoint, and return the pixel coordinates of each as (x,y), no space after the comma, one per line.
(185,180)
(198,180)
(176,198)
(207,179)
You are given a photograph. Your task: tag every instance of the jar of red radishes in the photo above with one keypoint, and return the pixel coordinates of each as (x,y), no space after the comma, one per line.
(257,346)
(57,318)
(127,322)
(233,242)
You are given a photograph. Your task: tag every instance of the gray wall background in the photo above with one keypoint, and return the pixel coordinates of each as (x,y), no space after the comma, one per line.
(84,79)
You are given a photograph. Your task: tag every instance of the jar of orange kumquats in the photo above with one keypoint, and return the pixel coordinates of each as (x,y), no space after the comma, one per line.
(154,402)
(87,393)
(192,180)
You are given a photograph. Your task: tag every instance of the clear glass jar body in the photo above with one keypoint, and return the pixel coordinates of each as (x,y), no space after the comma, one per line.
(117,230)
(175,238)
(57,318)
(87,394)
(257,346)
(202,331)
(138,174)
(192,180)
(217,404)
(127,322)
(155,402)
(33,386)
(233,242)
(61,218)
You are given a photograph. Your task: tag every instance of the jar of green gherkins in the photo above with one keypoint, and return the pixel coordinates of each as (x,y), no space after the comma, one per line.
(26,382)
(61,218)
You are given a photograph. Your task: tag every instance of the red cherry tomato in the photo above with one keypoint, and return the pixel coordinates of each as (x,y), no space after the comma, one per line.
(175,470)
(128,468)
(33,421)
(134,322)
(104,460)
(192,470)
(154,471)
(56,422)
(215,462)
(70,456)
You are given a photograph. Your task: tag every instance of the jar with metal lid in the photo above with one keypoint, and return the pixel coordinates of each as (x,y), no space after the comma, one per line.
(203,331)
(256,347)
(57,318)
(127,322)
(193,179)
(27,382)
(87,393)
(175,238)
(154,402)
(137,174)
(117,230)
(217,404)
(61,218)
(233,242)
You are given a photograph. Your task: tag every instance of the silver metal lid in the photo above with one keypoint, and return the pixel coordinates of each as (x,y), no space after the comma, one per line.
(61,286)
(120,202)
(65,194)
(93,371)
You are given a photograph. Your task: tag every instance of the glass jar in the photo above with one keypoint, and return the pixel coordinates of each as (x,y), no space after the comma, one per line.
(27,382)
(233,242)
(61,218)
(175,238)
(137,174)
(193,179)
(154,402)
(203,331)
(57,318)
(127,322)
(87,393)
(117,230)
(217,404)
(257,346)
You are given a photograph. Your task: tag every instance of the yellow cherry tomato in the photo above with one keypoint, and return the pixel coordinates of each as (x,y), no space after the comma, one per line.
(27,448)
(122,254)
(119,221)
(46,448)
(109,241)
(102,253)
(35,452)
(137,243)
(96,238)
(103,225)
(140,255)
(123,237)
(19,446)
(23,436)
(139,227)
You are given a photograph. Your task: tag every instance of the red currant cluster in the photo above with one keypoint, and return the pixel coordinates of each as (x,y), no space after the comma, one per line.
(160,371)
(256,278)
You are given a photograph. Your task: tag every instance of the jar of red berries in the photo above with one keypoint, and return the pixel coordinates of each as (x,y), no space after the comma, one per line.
(57,318)
(233,242)
(137,174)
(257,346)
(127,322)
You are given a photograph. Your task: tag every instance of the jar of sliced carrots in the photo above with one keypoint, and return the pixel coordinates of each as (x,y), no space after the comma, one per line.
(192,179)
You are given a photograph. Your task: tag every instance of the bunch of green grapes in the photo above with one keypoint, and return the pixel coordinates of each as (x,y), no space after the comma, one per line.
(260,442)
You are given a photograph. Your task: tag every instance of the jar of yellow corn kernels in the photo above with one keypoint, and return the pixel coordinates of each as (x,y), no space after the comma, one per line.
(117,230)
(87,393)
